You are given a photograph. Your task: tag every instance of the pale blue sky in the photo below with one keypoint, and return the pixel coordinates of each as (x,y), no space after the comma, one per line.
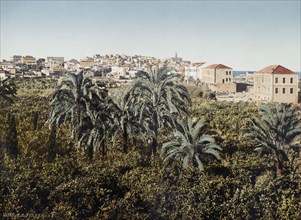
(246,35)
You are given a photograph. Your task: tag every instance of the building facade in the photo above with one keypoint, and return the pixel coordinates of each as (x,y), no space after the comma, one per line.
(219,78)
(276,83)
(17,58)
(54,62)
(194,71)
(4,74)
(29,60)
(87,63)
(55,59)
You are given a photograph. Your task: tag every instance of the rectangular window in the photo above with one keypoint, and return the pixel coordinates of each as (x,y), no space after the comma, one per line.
(229,72)
(223,81)
(283,80)
(291,80)
(226,79)
(229,79)
(276,80)
(276,90)
(283,90)
(291,90)
(226,72)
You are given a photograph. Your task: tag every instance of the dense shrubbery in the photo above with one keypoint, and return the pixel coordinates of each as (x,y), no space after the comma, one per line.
(128,186)
(138,186)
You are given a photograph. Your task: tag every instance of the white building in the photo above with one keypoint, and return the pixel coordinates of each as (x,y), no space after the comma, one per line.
(194,71)
(4,74)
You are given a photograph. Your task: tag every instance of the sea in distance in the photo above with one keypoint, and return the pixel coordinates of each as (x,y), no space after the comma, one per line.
(238,72)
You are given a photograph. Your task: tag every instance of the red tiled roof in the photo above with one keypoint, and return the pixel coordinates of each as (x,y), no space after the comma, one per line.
(275,69)
(217,66)
(198,64)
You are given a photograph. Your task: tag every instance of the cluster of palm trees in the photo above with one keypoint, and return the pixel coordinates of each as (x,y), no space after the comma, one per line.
(153,102)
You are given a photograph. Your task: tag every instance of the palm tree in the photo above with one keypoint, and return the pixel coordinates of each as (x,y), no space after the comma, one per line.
(8,91)
(276,130)
(69,102)
(12,137)
(190,144)
(51,144)
(126,116)
(97,125)
(159,100)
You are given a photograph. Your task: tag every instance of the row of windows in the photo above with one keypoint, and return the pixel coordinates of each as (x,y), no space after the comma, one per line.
(192,70)
(228,72)
(227,80)
(283,90)
(283,80)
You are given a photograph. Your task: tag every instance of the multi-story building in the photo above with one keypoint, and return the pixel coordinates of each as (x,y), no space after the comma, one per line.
(219,78)
(276,83)
(194,71)
(87,63)
(72,65)
(6,65)
(59,60)
(29,60)
(17,58)
(54,62)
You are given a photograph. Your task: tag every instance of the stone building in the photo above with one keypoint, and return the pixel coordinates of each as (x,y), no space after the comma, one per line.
(276,83)
(219,78)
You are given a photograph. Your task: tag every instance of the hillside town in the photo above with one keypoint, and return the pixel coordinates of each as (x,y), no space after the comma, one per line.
(273,83)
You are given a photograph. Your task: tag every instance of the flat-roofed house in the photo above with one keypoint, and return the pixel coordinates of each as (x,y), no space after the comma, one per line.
(87,63)
(17,58)
(54,62)
(4,74)
(219,78)
(194,70)
(276,83)
(6,65)
(29,60)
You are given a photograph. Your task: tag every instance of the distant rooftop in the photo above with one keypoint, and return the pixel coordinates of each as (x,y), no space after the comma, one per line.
(217,66)
(74,61)
(275,69)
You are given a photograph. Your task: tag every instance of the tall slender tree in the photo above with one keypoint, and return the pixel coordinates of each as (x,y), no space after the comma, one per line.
(159,99)
(51,144)
(12,137)
(68,103)
(126,117)
(98,125)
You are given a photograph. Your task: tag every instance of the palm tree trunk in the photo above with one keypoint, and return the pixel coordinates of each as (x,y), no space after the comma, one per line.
(90,151)
(52,147)
(103,149)
(280,165)
(125,139)
(155,138)
(155,142)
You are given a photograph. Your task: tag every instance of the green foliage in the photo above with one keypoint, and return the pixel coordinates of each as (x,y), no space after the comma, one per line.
(132,185)
(160,100)
(276,129)
(190,144)
(12,137)
(8,91)
(70,102)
